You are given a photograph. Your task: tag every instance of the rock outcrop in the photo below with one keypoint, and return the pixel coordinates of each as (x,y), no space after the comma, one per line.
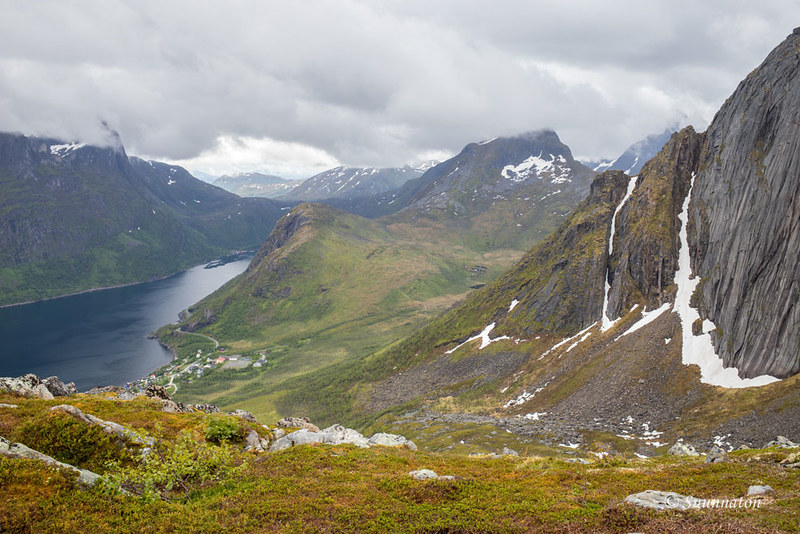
(109,427)
(18,450)
(31,385)
(333,435)
(661,500)
(682,449)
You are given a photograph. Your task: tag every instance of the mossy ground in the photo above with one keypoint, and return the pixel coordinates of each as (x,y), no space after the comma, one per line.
(345,489)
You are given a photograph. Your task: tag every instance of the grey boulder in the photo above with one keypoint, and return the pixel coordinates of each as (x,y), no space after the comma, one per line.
(660,500)
(423,474)
(758,490)
(338,435)
(682,449)
(391,440)
(716,455)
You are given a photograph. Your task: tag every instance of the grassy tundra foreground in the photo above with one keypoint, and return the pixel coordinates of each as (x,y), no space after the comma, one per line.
(198,479)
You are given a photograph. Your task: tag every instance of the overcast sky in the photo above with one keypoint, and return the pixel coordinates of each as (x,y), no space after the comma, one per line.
(294,87)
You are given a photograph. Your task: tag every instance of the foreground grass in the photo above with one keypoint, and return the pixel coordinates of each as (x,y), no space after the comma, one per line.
(346,489)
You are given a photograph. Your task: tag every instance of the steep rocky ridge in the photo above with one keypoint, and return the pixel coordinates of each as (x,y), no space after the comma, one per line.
(645,257)
(745,225)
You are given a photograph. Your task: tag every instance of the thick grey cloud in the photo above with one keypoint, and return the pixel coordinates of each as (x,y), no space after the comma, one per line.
(294,87)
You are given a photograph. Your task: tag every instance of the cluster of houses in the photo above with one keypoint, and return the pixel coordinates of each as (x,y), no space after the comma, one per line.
(199,367)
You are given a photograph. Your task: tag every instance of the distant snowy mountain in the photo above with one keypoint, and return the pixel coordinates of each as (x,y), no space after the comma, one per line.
(255,184)
(352,182)
(633,159)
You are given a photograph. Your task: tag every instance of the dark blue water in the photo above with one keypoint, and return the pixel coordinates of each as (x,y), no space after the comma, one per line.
(99,338)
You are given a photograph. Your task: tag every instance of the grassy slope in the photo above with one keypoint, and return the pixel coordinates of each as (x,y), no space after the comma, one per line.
(345,489)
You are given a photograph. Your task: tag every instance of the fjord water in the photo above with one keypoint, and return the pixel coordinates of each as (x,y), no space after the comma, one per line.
(99,338)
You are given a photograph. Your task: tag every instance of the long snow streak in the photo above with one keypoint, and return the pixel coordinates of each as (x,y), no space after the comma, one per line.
(483,336)
(607,322)
(699,350)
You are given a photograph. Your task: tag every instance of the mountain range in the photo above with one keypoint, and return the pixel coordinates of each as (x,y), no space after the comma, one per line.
(77,217)
(255,184)
(354,182)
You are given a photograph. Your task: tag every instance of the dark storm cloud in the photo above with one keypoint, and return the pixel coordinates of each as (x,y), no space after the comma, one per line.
(298,86)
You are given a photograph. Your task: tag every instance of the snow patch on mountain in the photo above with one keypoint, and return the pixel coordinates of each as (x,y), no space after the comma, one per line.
(537,166)
(63,150)
(483,336)
(647,318)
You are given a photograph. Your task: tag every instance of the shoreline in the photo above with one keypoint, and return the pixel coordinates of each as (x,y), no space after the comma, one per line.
(118,286)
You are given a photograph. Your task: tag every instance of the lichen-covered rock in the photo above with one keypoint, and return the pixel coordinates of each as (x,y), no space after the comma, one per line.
(661,500)
(157,392)
(509,452)
(391,440)
(18,450)
(114,390)
(759,490)
(28,385)
(205,408)
(782,442)
(109,427)
(303,436)
(716,455)
(338,435)
(297,422)
(252,442)
(423,474)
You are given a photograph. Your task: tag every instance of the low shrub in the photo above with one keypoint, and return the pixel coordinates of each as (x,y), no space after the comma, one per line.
(224,430)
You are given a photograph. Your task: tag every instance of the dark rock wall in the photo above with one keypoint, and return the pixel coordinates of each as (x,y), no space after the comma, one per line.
(745,226)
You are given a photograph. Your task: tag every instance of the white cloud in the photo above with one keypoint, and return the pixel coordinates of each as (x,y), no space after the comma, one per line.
(371,82)
(232,155)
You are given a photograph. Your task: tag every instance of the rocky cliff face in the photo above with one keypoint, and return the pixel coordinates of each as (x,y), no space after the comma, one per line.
(745,225)
(645,257)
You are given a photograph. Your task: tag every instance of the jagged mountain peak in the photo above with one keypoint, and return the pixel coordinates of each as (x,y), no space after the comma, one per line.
(494,170)
(635,156)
